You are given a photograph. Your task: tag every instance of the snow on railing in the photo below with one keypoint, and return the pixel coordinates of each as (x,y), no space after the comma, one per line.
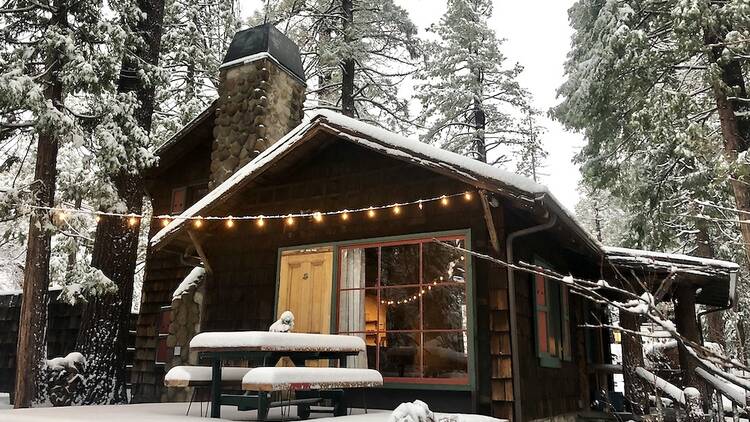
(670,389)
(733,392)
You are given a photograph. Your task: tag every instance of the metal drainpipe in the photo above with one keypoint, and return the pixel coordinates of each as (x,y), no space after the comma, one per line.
(512,309)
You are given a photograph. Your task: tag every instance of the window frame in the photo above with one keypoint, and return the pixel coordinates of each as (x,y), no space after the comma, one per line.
(560,320)
(410,383)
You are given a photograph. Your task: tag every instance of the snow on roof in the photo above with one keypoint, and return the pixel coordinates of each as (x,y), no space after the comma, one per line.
(666,259)
(386,142)
(194,278)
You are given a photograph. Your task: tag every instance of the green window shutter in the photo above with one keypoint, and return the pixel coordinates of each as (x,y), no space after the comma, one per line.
(567,351)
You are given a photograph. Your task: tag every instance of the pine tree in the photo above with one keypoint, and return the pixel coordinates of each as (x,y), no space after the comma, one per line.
(471,102)
(56,58)
(658,89)
(530,154)
(102,338)
(355,54)
(196,37)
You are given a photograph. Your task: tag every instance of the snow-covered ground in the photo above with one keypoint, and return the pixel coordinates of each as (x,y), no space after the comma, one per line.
(170,412)
(5,401)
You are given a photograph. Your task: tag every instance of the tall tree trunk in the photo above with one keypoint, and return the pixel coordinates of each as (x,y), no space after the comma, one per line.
(636,391)
(347,65)
(479,120)
(714,330)
(104,331)
(31,348)
(735,131)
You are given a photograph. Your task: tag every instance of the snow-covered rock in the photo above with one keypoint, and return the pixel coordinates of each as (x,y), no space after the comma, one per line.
(73,360)
(416,411)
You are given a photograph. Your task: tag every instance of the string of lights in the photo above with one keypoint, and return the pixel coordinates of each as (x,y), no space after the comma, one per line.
(64,213)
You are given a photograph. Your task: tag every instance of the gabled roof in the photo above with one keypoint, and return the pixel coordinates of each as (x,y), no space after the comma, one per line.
(471,171)
(703,272)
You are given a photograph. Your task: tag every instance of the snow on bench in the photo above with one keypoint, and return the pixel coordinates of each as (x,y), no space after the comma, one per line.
(192,376)
(303,378)
(275,342)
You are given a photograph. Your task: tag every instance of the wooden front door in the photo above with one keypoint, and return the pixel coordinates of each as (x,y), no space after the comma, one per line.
(305,283)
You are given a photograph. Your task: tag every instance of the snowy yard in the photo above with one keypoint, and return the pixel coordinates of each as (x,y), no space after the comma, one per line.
(160,412)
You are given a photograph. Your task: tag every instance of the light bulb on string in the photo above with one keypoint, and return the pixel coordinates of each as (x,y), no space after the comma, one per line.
(230,222)
(345,215)
(97,218)
(371,213)
(260,221)
(396,209)
(420,204)
(444,200)
(132,221)
(290,221)
(467,195)
(318,217)
(198,222)
(165,222)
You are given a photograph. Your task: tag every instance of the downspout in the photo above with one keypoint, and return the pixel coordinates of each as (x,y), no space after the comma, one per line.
(515,365)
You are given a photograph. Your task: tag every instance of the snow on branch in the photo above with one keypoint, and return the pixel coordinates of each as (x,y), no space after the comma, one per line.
(644,305)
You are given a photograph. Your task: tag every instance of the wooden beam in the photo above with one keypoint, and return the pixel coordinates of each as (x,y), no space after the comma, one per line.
(489,221)
(201,252)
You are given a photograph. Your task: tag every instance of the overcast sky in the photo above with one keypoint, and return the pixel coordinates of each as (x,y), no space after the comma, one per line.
(537,36)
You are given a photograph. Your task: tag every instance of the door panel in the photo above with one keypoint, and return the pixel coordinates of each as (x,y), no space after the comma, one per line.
(305,283)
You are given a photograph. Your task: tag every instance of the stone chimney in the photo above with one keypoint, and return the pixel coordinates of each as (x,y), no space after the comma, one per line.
(261,93)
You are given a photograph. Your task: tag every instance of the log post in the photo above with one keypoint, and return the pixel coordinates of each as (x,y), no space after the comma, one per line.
(636,392)
(687,326)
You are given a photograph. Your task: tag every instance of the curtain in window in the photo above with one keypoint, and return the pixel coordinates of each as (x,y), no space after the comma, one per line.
(352,307)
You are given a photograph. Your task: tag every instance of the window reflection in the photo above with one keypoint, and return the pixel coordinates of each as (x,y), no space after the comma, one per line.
(408,302)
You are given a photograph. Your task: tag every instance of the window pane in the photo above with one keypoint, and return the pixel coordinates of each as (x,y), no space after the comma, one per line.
(541,324)
(444,307)
(399,265)
(445,355)
(358,311)
(399,355)
(359,268)
(165,318)
(402,310)
(441,264)
(162,351)
(541,293)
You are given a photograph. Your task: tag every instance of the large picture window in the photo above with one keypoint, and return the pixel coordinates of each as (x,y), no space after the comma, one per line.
(407,300)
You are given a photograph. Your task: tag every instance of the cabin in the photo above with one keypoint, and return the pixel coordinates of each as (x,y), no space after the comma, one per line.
(358,230)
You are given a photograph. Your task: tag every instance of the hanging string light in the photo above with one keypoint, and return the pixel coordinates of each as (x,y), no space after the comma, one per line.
(63,214)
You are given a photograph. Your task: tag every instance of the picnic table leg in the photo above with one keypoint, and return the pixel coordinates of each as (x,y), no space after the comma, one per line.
(216,387)
(262,406)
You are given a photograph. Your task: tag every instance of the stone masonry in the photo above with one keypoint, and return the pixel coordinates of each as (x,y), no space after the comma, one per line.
(186,323)
(259,102)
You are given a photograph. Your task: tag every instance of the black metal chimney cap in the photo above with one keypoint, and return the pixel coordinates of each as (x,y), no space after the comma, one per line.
(266,39)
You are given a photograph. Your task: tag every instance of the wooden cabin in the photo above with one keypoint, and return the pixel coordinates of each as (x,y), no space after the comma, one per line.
(361,231)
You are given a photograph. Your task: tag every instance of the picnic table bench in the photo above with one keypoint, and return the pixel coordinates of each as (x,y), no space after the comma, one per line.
(268,348)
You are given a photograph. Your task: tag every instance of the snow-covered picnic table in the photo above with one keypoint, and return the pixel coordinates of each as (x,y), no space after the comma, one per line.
(267,348)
